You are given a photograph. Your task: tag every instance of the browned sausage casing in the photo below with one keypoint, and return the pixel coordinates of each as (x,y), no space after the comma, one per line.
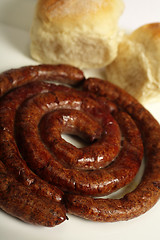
(33,116)
(19,201)
(148,191)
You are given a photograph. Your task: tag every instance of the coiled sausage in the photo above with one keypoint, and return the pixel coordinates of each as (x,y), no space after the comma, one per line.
(33,115)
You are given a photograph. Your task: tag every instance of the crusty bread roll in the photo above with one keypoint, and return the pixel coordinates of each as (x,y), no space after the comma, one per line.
(137,66)
(83,33)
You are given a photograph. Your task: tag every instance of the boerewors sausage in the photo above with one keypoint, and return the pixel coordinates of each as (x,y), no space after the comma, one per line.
(35,113)
(19,201)
(148,191)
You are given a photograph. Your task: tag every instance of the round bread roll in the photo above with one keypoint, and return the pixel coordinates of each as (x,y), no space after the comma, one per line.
(83,33)
(137,66)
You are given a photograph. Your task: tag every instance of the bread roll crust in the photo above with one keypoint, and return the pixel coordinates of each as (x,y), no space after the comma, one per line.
(71,13)
(82,33)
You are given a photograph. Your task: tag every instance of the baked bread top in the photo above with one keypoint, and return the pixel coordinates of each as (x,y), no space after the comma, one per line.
(84,13)
(83,33)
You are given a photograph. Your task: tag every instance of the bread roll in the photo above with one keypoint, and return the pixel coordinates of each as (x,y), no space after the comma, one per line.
(83,33)
(137,66)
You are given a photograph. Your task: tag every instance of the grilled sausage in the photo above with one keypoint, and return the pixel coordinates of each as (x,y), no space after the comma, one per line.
(50,167)
(61,73)
(34,114)
(19,201)
(147,193)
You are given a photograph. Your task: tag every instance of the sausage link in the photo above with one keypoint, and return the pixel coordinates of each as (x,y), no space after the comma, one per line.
(19,201)
(98,182)
(40,167)
(9,153)
(88,158)
(18,77)
(147,193)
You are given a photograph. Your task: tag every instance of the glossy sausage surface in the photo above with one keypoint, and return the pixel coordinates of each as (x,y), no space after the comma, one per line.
(35,113)
(20,202)
(147,192)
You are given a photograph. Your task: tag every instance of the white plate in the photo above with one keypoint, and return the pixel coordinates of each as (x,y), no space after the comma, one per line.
(15,21)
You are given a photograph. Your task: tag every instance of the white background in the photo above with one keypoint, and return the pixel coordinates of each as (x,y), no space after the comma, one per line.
(15,21)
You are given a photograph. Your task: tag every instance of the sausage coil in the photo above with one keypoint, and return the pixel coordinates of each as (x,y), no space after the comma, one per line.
(37,163)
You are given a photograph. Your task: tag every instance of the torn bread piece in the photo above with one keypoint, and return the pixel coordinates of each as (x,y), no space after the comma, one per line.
(137,66)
